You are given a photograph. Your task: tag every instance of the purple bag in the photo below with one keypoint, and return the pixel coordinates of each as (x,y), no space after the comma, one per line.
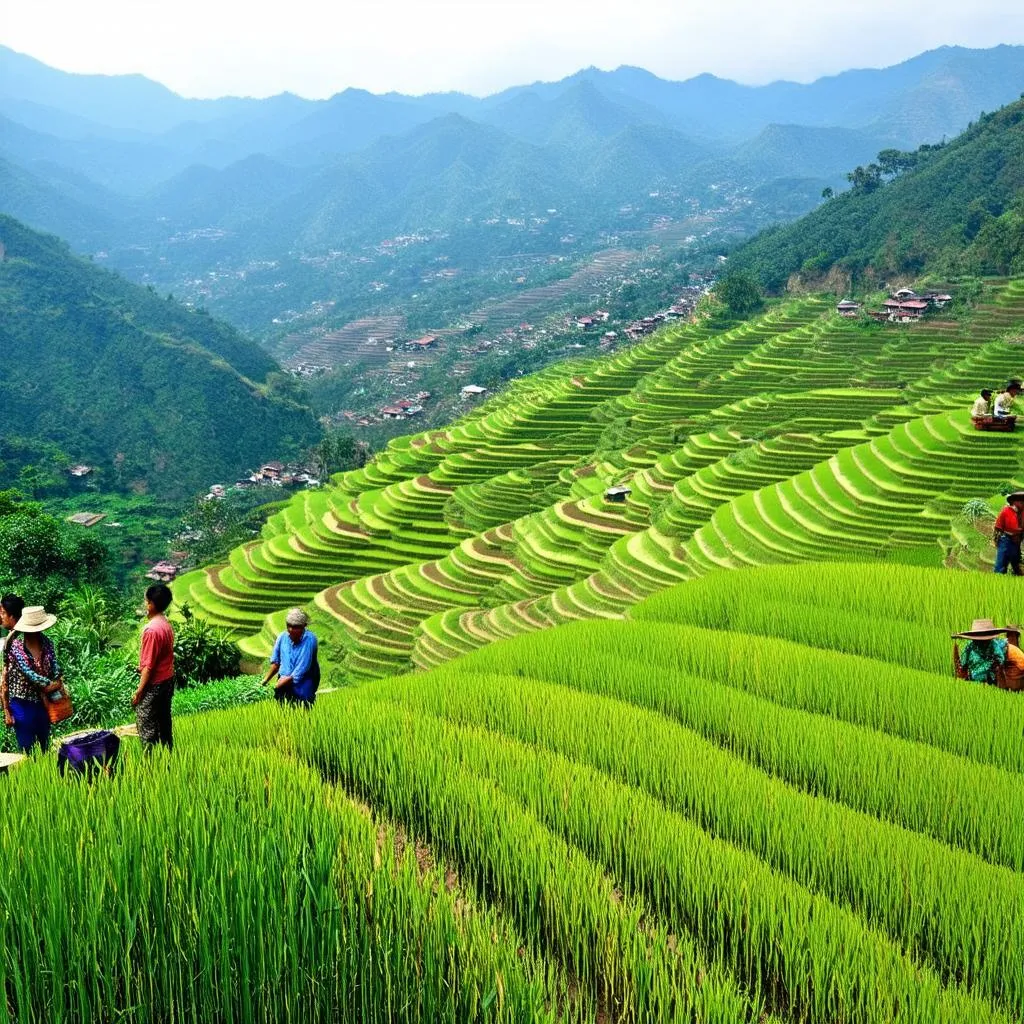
(89,755)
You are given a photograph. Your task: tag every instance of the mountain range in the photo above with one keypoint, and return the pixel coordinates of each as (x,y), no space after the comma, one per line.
(174,191)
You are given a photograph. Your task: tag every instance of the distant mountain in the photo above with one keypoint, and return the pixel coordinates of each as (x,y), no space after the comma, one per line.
(790,150)
(348,122)
(919,100)
(156,397)
(129,167)
(53,207)
(575,116)
(229,198)
(432,177)
(959,208)
(124,104)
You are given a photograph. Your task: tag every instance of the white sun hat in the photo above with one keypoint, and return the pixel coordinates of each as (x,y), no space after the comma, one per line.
(34,620)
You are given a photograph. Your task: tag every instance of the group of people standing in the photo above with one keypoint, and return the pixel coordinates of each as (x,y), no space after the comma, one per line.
(30,671)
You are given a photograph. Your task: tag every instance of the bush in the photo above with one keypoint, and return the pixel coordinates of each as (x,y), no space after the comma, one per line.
(203,652)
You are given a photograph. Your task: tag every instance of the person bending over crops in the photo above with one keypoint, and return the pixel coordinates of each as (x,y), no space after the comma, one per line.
(295,657)
(31,671)
(989,657)
(152,700)
(1008,531)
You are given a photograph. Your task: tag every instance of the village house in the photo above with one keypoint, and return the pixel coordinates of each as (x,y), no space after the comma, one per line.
(905,310)
(163,572)
(86,518)
(80,471)
(472,391)
(422,344)
(848,308)
(270,471)
(393,412)
(617,494)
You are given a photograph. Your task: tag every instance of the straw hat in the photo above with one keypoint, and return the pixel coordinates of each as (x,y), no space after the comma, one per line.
(35,620)
(981,629)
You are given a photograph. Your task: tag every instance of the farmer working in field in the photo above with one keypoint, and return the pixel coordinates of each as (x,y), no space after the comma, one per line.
(295,657)
(988,657)
(1009,529)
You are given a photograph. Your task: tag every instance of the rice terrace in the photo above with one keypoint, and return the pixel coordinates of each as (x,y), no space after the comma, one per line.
(643,711)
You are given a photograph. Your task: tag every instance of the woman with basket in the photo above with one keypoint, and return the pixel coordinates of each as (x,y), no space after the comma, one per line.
(34,681)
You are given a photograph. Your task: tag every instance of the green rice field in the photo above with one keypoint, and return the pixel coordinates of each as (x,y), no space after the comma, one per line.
(796,436)
(694,756)
(761,796)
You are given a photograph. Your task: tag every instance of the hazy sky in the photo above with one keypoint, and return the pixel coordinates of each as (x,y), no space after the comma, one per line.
(317,47)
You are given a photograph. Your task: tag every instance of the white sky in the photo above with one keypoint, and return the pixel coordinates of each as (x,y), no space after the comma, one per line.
(318,47)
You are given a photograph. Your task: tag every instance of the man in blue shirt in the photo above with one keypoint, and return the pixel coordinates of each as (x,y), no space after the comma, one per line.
(295,658)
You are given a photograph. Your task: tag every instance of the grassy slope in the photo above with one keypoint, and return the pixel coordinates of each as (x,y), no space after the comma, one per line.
(100,367)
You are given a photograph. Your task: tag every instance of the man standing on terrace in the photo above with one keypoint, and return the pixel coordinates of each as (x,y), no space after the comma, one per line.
(1009,529)
(295,658)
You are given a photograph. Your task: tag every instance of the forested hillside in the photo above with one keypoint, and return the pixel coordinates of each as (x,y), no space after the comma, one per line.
(957,208)
(104,372)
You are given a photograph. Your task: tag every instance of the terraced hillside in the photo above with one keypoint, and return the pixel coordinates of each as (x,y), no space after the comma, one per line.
(792,437)
(762,799)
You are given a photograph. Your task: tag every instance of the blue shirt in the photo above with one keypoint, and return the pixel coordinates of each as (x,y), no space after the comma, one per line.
(296,660)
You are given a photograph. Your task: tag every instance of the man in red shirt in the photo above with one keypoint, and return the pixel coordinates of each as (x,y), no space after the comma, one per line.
(1009,529)
(152,699)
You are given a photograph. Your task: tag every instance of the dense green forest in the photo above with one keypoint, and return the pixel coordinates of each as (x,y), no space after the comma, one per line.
(951,209)
(100,371)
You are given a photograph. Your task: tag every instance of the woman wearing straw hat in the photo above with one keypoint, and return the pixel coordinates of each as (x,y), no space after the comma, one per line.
(988,657)
(32,671)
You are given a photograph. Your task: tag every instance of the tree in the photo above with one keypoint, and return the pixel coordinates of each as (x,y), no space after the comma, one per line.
(336,452)
(827,192)
(740,294)
(43,559)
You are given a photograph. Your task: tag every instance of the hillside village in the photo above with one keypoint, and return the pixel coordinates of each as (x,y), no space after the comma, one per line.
(903,306)
(398,365)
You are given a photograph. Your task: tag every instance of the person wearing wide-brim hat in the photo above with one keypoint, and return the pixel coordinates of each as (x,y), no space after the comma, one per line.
(987,656)
(1007,532)
(32,672)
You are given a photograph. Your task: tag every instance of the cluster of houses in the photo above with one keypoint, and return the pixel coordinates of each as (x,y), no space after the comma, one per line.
(903,306)
(166,570)
(404,408)
(599,316)
(682,308)
(270,474)
(275,474)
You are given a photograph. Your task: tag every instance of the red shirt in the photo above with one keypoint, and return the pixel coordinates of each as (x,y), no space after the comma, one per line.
(1008,521)
(157,653)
